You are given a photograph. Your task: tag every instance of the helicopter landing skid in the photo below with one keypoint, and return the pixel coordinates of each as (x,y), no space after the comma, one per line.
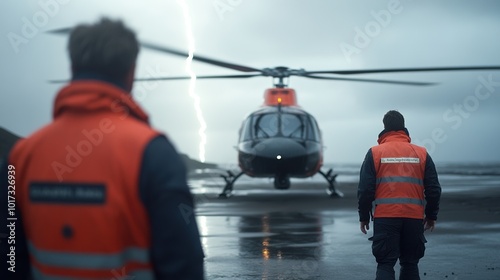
(230,178)
(331,190)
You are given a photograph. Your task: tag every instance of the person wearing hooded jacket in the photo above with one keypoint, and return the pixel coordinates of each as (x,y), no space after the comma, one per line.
(99,194)
(399,186)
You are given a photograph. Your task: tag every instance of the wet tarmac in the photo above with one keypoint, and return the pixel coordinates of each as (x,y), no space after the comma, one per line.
(301,233)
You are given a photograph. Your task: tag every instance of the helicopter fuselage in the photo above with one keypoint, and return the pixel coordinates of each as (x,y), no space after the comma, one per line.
(280,141)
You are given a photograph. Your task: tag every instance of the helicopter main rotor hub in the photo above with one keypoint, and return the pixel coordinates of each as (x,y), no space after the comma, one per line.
(281,73)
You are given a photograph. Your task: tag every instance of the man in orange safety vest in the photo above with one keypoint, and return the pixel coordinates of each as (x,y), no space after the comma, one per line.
(399,185)
(99,194)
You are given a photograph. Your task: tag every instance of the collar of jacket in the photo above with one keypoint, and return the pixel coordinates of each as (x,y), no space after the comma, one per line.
(394,136)
(90,96)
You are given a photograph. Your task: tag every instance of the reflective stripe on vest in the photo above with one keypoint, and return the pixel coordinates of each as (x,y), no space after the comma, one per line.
(400,179)
(399,201)
(89,261)
(118,274)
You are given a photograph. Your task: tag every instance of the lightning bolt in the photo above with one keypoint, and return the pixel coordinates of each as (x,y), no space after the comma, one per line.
(192,83)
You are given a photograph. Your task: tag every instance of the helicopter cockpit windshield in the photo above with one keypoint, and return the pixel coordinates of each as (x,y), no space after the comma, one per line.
(296,126)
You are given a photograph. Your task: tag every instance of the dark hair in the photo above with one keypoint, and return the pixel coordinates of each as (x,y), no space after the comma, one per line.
(107,47)
(393,120)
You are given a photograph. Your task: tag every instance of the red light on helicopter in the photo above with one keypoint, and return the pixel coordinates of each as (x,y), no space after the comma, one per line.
(283,96)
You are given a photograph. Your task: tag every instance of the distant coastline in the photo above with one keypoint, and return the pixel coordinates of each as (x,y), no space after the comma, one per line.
(192,164)
(7,140)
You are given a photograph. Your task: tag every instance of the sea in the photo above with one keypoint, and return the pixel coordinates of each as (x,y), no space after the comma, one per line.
(349,172)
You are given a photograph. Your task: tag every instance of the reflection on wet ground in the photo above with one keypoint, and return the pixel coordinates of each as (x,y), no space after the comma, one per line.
(262,233)
(280,245)
(285,236)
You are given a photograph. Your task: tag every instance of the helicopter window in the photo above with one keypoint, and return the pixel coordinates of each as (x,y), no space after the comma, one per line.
(246,130)
(293,125)
(266,125)
(313,130)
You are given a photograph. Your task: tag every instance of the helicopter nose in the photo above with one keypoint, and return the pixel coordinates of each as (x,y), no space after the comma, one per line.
(279,149)
(277,155)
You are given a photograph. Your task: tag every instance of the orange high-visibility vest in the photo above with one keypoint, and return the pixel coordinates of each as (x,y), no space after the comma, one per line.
(400,169)
(78,187)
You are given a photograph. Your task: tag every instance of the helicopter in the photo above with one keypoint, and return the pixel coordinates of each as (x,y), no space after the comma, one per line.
(281,140)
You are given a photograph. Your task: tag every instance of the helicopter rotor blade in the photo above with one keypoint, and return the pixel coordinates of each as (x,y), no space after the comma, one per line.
(58,81)
(201,58)
(151,46)
(61,31)
(198,77)
(370,80)
(178,78)
(400,70)
(274,71)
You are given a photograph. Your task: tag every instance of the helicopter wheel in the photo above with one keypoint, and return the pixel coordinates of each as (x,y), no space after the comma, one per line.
(281,182)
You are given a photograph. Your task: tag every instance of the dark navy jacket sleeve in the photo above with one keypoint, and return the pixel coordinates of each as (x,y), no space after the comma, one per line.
(432,189)
(176,250)
(11,237)
(366,187)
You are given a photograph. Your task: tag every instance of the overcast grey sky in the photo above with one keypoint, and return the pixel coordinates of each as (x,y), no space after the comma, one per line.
(457,120)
